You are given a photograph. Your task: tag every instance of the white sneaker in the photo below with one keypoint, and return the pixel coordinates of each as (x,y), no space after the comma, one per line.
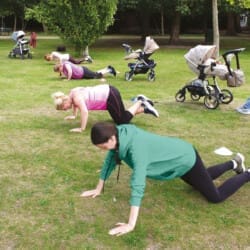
(142,98)
(149,109)
(239,159)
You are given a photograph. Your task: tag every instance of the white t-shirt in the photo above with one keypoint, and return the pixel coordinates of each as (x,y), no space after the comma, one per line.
(58,56)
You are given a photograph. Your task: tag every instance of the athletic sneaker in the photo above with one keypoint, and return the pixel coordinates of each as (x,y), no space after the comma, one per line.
(245,108)
(239,159)
(149,109)
(112,70)
(142,98)
(88,59)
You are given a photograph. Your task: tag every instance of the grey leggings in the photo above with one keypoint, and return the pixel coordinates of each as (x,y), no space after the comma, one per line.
(201,179)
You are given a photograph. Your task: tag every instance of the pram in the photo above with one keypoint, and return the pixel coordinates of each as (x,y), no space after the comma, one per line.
(21,47)
(201,60)
(143,64)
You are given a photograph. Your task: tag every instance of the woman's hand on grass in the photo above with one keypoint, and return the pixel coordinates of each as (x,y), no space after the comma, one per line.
(91,193)
(76,130)
(121,228)
(70,117)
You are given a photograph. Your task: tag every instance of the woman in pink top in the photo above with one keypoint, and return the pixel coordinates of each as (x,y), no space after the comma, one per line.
(72,71)
(101,97)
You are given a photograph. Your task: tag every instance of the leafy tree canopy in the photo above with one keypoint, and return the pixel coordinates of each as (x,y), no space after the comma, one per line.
(79,22)
(242,3)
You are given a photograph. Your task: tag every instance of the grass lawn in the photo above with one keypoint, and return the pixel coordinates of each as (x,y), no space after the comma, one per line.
(44,168)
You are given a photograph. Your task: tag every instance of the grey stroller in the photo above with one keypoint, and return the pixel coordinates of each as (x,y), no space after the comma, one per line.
(143,64)
(201,60)
(21,47)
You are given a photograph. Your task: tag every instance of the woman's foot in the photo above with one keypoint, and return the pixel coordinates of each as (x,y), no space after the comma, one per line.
(239,167)
(112,70)
(142,98)
(149,109)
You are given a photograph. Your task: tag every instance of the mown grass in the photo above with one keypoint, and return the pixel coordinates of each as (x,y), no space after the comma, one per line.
(44,167)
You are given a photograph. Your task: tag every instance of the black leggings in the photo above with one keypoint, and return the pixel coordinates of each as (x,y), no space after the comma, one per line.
(116,107)
(89,74)
(201,178)
(75,61)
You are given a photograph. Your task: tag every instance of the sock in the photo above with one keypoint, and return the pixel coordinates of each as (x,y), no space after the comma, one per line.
(235,164)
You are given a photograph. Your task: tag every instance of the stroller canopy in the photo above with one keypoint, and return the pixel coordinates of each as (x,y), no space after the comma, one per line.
(200,53)
(17,34)
(150,47)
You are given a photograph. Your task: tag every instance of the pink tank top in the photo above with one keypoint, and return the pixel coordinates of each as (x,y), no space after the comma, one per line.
(77,71)
(95,97)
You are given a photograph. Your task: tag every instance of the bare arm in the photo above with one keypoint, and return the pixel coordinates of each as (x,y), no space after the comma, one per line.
(123,228)
(69,71)
(72,117)
(79,103)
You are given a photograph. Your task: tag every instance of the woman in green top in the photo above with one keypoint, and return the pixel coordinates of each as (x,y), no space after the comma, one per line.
(162,158)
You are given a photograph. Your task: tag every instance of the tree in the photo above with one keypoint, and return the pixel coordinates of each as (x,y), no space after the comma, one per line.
(79,22)
(242,3)
(16,8)
(216,33)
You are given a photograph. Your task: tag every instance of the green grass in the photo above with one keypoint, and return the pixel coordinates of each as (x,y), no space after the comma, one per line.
(44,167)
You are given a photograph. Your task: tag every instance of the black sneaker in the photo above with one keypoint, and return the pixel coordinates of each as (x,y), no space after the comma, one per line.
(239,159)
(112,70)
(149,109)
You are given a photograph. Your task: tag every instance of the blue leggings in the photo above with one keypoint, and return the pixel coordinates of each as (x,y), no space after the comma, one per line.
(201,178)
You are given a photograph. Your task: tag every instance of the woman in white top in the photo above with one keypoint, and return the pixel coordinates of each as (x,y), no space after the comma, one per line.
(59,57)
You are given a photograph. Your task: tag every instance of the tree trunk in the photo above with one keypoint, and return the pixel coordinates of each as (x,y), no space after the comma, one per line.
(86,51)
(175,30)
(216,35)
(45,28)
(231,29)
(144,21)
(162,23)
(15,22)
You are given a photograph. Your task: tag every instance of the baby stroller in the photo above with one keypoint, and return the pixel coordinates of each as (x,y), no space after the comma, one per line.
(143,64)
(21,47)
(200,60)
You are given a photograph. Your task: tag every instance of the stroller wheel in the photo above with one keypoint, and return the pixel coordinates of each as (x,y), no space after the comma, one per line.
(151,76)
(180,96)
(29,55)
(195,97)
(128,76)
(211,101)
(225,96)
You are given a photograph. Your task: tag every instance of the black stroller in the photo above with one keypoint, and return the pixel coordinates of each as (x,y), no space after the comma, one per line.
(143,64)
(201,60)
(21,47)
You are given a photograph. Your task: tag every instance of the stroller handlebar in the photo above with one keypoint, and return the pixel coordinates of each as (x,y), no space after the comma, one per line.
(233,51)
(127,47)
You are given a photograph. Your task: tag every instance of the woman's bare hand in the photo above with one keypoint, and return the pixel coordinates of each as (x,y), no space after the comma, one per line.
(121,228)
(91,193)
(70,117)
(76,130)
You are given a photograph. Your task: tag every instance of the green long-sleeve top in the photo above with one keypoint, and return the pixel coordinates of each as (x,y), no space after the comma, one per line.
(149,155)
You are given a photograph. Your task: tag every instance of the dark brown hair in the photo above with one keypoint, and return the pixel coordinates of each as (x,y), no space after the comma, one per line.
(101,132)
